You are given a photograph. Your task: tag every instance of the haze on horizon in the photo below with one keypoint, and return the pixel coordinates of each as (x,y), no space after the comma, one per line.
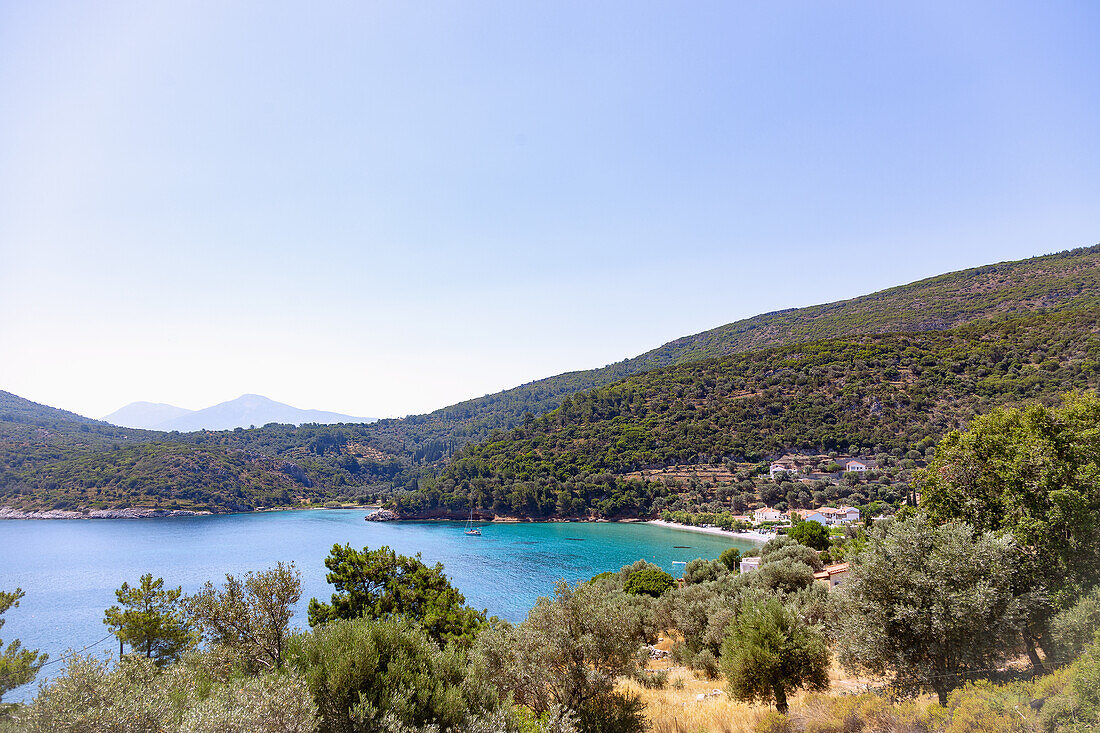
(383,210)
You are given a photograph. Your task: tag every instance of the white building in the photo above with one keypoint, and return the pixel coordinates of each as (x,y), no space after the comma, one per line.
(847,514)
(842,515)
(749,563)
(767,514)
(780,467)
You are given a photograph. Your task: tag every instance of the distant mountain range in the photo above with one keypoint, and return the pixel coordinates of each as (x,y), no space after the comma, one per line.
(245,411)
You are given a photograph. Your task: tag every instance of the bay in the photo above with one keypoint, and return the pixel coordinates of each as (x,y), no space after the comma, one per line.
(70,569)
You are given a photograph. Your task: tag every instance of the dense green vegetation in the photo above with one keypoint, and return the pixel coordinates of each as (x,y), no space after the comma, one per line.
(380,583)
(929,605)
(53,459)
(884,394)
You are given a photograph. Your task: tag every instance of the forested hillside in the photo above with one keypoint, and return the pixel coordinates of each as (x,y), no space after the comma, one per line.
(396,449)
(1044,283)
(53,459)
(739,392)
(881,394)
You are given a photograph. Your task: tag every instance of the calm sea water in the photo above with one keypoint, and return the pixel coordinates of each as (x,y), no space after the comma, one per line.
(69,569)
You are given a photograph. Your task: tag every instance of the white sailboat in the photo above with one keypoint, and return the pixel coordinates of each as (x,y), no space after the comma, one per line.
(470,528)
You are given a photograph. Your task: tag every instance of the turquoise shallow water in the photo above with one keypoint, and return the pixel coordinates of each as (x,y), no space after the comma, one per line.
(70,568)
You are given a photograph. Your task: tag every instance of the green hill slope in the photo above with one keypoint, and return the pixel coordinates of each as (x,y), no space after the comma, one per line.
(877,394)
(49,457)
(54,459)
(394,453)
(1047,283)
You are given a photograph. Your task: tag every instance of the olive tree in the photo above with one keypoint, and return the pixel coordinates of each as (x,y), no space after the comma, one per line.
(928,605)
(366,673)
(1035,473)
(135,696)
(1074,628)
(565,656)
(770,651)
(702,571)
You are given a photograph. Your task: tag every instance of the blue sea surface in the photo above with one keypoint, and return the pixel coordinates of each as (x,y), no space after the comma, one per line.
(70,569)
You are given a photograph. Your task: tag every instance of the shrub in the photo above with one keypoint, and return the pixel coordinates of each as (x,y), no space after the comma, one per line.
(981,707)
(271,703)
(367,674)
(681,653)
(731,558)
(702,571)
(773,722)
(90,696)
(614,713)
(707,663)
(649,581)
(1071,630)
(655,680)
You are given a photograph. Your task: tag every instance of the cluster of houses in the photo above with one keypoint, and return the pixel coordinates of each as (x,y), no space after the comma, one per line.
(803,468)
(826,515)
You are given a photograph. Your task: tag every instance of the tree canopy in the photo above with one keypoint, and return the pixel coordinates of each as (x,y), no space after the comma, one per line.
(930,605)
(367,673)
(566,655)
(150,619)
(18,666)
(250,618)
(1034,473)
(650,581)
(770,651)
(382,584)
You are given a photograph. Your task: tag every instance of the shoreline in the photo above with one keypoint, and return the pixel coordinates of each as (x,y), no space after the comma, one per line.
(9,513)
(751,536)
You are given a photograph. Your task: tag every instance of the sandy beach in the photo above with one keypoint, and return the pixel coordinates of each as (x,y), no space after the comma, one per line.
(753,536)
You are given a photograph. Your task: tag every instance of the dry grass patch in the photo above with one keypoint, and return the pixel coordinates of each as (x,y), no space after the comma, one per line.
(678,709)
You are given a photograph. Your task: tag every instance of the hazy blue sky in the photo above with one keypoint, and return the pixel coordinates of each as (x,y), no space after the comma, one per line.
(383,208)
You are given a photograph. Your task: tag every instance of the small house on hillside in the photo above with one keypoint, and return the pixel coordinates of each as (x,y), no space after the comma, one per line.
(749,564)
(782,467)
(832,575)
(854,465)
(847,514)
(841,515)
(766,514)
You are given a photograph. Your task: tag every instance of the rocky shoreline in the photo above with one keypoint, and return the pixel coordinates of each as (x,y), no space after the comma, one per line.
(7,512)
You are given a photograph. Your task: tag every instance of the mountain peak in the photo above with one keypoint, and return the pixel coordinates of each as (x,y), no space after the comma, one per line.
(245,411)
